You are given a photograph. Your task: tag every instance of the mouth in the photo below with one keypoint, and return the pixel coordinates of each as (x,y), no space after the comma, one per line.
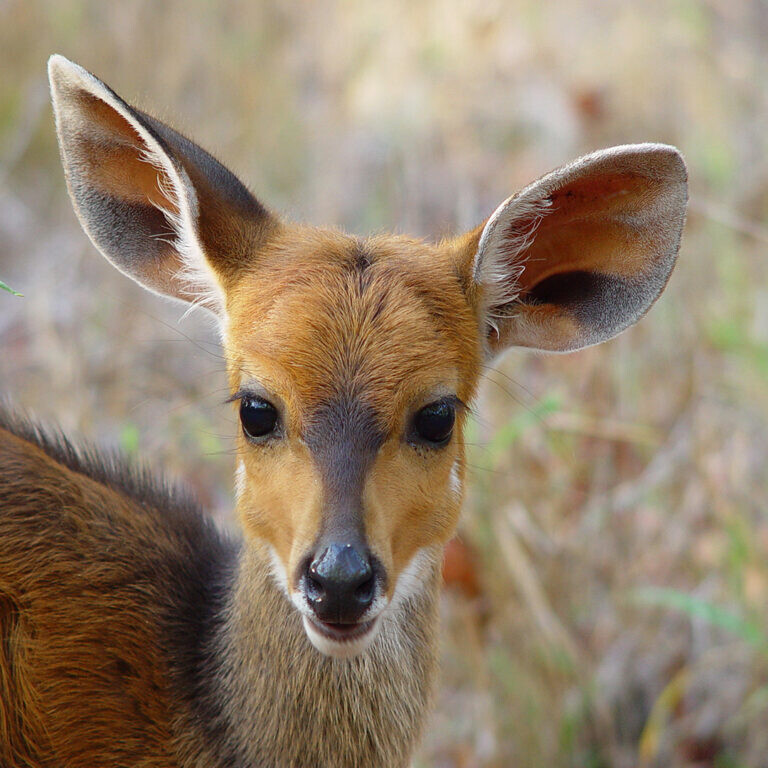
(340,640)
(343,633)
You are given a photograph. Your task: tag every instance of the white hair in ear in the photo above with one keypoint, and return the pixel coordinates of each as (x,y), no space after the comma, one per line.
(192,276)
(503,251)
(197,280)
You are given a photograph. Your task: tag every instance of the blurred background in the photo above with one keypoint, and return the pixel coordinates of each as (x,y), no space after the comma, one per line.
(606,603)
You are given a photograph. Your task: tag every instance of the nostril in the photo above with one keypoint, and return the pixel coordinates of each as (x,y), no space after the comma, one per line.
(364,592)
(314,587)
(315,583)
(340,583)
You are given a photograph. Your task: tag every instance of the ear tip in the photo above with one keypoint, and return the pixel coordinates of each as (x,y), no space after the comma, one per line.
(671,153)
(668,157)
(62,71)
(56,59)
(59,66)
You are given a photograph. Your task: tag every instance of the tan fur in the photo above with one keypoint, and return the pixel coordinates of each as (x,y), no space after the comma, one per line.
(345,713)
(131,633)
(86,674)
(298,326)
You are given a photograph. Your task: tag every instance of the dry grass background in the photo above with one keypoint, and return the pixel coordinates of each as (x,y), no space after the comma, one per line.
(613,609)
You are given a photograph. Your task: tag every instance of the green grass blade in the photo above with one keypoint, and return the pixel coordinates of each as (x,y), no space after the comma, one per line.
(699,608)
(5,287)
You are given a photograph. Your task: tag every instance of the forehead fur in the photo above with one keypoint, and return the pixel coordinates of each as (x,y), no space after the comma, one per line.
(325,314)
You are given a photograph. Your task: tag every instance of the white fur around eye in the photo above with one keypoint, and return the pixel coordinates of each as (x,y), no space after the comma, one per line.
(455,481)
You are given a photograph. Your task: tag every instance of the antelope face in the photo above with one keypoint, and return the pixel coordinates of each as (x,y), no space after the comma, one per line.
(351,361)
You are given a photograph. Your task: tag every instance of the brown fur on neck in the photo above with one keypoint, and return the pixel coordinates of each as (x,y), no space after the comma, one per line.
(133,634)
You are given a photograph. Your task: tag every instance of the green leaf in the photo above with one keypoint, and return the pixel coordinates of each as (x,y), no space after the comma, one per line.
(5,287)
(698,608)
(129,439)
(508,434)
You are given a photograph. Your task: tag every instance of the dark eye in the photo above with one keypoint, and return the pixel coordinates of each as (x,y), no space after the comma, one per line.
(434,422)
(258,417)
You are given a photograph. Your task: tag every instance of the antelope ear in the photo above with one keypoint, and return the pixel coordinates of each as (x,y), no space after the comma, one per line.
(580,254)
(160,208)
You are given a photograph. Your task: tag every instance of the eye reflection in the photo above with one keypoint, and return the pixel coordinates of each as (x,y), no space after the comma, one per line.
(258,417)
(434,422)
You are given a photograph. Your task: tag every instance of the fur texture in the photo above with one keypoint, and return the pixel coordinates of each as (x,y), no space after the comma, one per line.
(136,634)
(132,632)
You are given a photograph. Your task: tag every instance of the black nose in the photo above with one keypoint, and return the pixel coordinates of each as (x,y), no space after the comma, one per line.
(340,584)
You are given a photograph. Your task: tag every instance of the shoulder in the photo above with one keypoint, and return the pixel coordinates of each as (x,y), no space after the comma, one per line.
(52,485)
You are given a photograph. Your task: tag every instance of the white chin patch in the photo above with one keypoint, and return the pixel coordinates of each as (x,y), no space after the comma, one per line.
(344,648)
(331,641)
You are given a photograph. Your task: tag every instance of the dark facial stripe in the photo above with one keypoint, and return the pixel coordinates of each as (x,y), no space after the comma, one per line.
(344,436)
(361,260)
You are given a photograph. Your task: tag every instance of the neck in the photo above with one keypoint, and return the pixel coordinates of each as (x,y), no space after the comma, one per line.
(282,702)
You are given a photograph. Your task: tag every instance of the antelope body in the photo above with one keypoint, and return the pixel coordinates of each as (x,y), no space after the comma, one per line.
(133,633)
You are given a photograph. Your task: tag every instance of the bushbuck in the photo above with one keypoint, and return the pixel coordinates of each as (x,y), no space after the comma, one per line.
(134,633)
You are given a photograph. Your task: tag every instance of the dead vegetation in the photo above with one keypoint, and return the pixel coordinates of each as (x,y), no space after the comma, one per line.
(608,605)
